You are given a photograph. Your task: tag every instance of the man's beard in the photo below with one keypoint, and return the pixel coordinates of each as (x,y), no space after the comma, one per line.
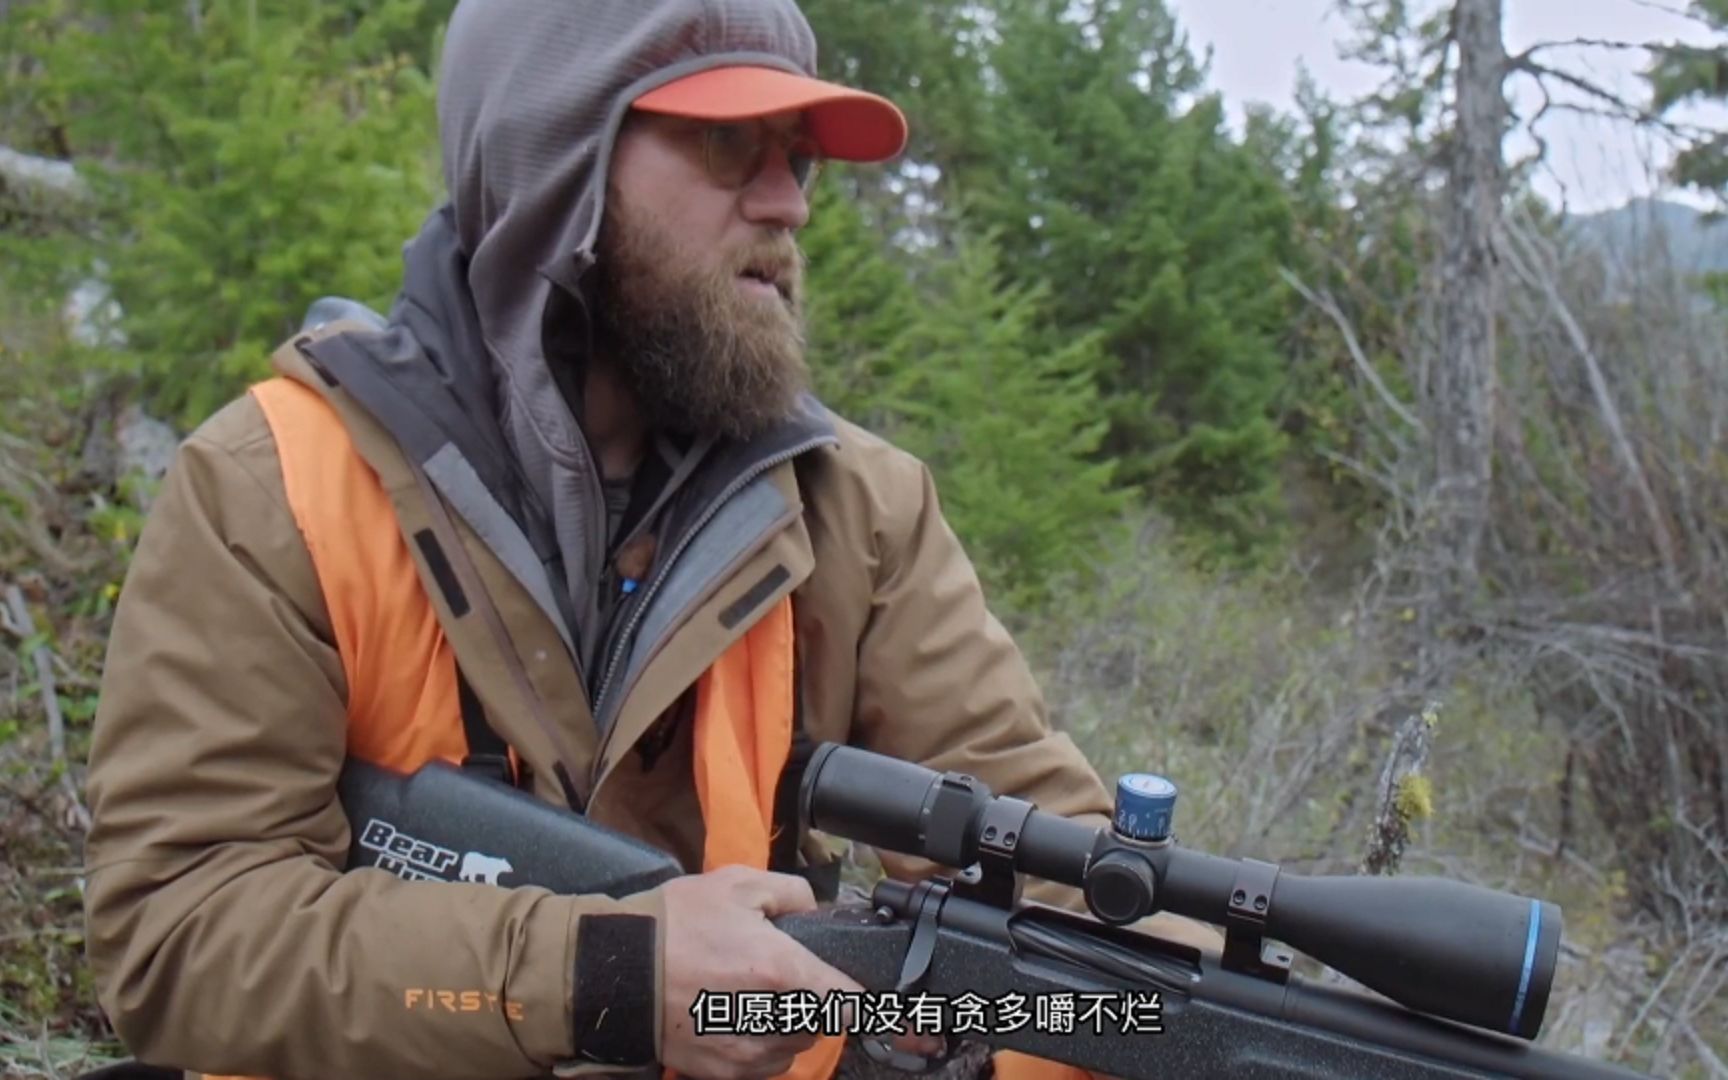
(699,353)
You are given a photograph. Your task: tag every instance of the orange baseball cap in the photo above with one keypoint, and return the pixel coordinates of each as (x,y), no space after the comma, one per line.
(849,125)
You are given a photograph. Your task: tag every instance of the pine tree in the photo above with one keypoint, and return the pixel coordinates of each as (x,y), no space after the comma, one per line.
(247,160)
(1689,74)
(1009,426)
(859,302)
(1110,182)
(948,359)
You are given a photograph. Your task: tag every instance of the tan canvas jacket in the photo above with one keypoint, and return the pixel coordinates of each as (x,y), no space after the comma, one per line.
(223,934)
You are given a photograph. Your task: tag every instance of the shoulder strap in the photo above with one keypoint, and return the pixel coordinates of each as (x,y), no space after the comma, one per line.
(789,833)
(487,753)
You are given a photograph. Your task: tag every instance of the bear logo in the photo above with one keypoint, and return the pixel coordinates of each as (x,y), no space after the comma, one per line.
(483,868)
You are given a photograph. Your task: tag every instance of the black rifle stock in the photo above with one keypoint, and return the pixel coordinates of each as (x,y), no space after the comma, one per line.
(1462,974)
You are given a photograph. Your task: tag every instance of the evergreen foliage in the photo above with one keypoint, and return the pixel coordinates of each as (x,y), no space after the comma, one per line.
(1112,180)
(1009,425)
(1688,74)
(245,162)
(953,371)
(860,301)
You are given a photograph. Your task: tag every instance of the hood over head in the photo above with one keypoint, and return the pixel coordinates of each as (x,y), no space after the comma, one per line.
(530,99)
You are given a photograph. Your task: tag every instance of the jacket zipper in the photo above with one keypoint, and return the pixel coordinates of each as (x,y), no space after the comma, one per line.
(620,645)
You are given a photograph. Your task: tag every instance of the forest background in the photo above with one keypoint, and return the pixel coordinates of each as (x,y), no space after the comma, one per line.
(1316,462)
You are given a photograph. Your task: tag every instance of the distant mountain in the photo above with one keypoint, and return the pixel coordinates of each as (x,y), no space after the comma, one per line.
(1695,243)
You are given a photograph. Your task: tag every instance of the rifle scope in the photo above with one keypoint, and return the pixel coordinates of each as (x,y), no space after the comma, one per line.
(1442,947)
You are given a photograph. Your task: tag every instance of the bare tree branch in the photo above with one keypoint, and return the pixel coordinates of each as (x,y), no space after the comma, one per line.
(1578,43)
(1330,308)
(1679,130)
(1541,153)
(1394,813)
(26,490)
(1718,1070)
(1524,262)
(1620,108)
(19,614)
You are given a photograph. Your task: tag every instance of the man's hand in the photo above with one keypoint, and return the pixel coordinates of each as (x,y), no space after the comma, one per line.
(719,939)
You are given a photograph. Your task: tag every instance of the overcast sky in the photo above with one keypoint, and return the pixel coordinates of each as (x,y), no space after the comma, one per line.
(1594,163)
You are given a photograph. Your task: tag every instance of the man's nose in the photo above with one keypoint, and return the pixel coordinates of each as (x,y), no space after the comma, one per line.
(774,196)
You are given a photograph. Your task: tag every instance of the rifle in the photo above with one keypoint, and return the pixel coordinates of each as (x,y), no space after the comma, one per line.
(1456,978)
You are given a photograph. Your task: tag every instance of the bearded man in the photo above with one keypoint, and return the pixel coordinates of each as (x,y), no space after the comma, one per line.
(569,515)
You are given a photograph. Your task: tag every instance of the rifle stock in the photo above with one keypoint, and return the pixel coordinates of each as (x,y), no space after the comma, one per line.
(443,824)
(1241,1013)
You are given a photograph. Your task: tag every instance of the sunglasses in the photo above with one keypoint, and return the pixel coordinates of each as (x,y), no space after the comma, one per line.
(735,153)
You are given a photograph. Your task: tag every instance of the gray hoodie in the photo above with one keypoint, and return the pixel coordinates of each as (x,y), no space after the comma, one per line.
(531,96)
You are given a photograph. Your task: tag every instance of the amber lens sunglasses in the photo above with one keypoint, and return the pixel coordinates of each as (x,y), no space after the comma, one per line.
(734,153)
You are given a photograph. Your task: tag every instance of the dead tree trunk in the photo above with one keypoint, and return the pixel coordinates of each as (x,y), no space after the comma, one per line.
(1457,405)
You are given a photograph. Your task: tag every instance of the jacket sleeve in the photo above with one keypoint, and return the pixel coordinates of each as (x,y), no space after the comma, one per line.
(222,935)
(942,683)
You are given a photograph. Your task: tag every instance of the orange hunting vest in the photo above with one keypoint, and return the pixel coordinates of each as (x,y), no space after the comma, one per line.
(403,706)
